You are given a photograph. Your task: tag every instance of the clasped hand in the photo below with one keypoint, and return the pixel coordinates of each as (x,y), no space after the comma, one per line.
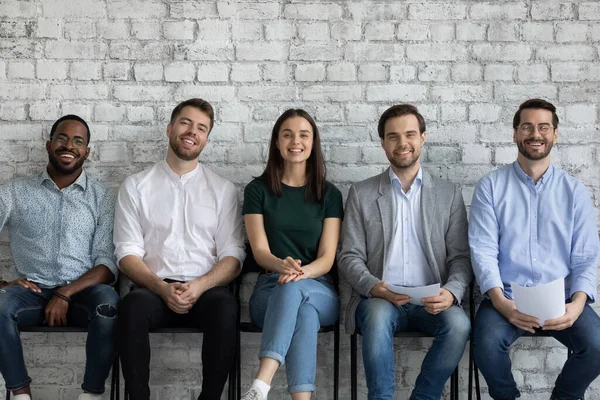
(290,270)
(181,297)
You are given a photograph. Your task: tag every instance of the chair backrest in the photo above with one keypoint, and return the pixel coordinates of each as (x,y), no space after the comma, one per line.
(250,264)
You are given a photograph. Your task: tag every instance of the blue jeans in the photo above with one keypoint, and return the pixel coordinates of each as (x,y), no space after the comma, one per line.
(290,316)
(379,319)
(94,308)
(493,336)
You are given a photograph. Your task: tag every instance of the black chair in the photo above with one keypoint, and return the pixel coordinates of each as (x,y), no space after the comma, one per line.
(232,372)
(476,370)
(250,266)
(354,363)
(114,384)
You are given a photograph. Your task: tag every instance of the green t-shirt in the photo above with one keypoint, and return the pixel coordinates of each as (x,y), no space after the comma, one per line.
(293,225)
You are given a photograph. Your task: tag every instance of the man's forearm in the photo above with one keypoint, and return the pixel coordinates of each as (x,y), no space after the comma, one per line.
(97,275)
(222,273)
(136,270)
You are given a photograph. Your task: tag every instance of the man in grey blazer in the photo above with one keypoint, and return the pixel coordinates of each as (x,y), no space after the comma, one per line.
(408,228)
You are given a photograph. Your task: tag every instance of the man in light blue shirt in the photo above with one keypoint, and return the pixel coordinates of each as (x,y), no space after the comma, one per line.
(60,231)
(531,223)
(405,227)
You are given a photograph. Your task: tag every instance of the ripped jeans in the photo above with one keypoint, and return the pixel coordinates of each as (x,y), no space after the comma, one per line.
(94,308)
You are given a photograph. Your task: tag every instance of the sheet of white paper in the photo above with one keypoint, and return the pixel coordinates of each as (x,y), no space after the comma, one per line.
(416,293)
(543,302)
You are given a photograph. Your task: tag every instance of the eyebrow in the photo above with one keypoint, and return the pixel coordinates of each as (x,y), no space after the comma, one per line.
(396,133)
(301,130)
(64,134)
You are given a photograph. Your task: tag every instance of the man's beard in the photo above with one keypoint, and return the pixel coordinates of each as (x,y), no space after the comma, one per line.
(62,169)
(407,163)
(184,154)
(536,156)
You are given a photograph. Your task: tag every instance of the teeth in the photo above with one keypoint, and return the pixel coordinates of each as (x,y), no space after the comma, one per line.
(67,156)
(188,141)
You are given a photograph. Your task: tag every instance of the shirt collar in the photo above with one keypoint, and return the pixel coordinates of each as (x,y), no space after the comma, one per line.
(81,181)
(526,178)
(416,183)
(183,177)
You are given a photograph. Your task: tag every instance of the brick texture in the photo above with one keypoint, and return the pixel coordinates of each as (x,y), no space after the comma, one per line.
(124,65)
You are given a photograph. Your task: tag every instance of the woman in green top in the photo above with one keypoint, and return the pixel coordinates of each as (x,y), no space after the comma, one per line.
(293,218)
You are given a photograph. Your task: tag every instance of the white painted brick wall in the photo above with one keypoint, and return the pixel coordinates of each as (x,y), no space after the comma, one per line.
(124,65)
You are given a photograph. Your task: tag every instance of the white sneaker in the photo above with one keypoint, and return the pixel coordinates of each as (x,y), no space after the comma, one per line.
(21,397)
(89,396)
(252,394)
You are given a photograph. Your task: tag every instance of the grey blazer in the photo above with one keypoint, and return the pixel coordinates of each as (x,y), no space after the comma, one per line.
(368,229)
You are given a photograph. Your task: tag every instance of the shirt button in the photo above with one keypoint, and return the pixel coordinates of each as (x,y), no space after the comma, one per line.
(535,259)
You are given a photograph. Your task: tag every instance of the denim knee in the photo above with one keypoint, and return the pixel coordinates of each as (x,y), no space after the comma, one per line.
(457,326)
(377,315)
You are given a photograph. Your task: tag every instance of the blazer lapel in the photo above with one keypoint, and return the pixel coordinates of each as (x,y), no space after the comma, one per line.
(386,211)
(428,204)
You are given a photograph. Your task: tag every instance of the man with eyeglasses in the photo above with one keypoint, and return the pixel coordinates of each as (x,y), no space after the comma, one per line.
(532,223)
(60,225)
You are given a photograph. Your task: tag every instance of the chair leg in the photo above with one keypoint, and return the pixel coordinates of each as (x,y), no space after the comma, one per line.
(470,395)
(477,387)
(118,379)
(238,365)
(454,385)
(336,361)
(353,367)
(232,388)
(113,378)
(7,394)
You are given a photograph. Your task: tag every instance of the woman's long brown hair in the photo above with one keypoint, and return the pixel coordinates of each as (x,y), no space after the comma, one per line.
(315,165)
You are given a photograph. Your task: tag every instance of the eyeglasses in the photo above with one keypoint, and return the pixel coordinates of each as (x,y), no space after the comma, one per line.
(543,128)
(64,139)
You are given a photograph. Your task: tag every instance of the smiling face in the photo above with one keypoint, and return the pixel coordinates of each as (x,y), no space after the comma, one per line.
(295,140)
(535,134)
(68,148)
(402,141)
(188,134)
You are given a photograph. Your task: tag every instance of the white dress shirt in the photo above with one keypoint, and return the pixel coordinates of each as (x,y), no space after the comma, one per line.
(179,226)
(406,262)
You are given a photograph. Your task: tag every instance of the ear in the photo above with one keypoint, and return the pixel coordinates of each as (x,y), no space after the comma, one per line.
(381,141)
(556,135)
(48,145)
(169,128)
(514,136)
(87,152)
(423,137)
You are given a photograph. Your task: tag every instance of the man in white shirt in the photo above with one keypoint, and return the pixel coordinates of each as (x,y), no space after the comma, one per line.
(178,236)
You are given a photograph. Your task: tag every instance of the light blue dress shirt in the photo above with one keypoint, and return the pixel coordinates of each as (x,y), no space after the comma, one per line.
(406,261)
(532,234)
(58,235)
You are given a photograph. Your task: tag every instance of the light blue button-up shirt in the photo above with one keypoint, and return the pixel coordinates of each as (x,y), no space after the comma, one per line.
(532,234)
(406,261)
(57,235)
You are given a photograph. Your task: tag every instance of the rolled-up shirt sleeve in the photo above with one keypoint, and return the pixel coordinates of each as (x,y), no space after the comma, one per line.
(229,237)
(484,235)
(585,246)
(102,248)
(128,237)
